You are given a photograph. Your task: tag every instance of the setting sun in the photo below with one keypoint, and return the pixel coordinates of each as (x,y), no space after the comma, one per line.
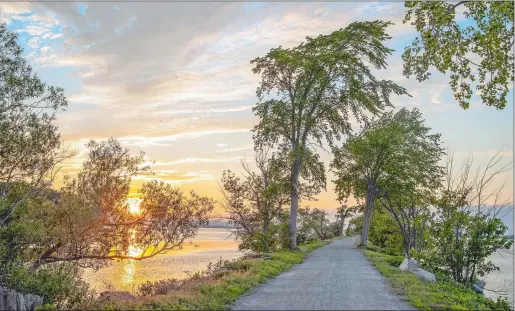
(134,204)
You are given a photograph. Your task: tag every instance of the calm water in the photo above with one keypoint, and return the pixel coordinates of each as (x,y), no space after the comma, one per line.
(501,280)
(208,246)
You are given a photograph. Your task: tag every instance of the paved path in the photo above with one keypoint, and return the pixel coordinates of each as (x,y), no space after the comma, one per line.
(334,277)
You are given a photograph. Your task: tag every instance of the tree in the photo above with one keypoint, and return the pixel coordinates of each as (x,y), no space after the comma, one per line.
(319,85)
(256,201)
(409,207)
(355,225)
(397,145)
(384,231)
(479,52)
(466,228)
(30,146)
(343,212)
(314,223)
(89,222)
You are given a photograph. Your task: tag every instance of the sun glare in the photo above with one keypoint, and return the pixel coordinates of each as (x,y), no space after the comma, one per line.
(134,204)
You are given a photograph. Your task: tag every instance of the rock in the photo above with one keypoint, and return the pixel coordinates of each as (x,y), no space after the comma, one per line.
(480,283)
(477,289)
(12,300)
(117,296)
(426,275)
(409,264)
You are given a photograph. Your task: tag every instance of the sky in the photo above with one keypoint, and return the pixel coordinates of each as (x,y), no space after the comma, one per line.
(175,80)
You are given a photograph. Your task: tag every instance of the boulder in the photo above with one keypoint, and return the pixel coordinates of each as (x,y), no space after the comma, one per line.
(117,296)
(12,300)
(478,287)
(426,275)
(409,264)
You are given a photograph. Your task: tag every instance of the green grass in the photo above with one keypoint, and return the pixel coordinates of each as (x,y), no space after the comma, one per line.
(423,295)
(218,292)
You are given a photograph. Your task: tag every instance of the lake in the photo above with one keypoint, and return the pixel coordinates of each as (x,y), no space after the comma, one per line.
(501,280)
(209,245)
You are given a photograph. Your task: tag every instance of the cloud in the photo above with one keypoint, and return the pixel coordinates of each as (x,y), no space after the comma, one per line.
(246,147)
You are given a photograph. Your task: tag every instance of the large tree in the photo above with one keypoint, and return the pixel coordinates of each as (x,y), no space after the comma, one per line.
(30,145)
(89,222)
(397,145)
(477,50)
(317,87)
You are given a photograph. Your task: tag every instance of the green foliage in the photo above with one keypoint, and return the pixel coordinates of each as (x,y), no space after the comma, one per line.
(255,204)
(317,86)
(314,224)
(29,141)
(394,159)
(385,232)
(478,53)
(440,295)
(60,285)
(461,241)
(355,226)
(395,147)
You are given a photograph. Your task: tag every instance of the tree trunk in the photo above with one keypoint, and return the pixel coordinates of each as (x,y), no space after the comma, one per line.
(407,248)
(343,225)
(294,202)
(369,202)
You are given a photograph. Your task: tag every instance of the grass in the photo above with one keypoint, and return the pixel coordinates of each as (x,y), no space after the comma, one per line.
(217,291)
(423,295)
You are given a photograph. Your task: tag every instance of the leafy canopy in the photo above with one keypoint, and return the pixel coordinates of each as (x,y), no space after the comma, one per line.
(321,83)
(396,151)
(479,52)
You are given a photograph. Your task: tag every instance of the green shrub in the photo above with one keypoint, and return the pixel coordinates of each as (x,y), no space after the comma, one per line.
(60,284)
(259,242)
(394,261)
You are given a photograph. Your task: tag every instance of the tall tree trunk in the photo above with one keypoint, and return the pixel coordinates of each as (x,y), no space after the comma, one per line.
(343,224)
(369,202)
(294,202)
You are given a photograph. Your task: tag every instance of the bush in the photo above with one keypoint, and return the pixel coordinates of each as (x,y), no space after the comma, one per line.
(394,261)
(60,284)
(260,242)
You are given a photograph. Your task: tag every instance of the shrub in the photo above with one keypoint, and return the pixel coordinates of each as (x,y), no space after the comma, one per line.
(60,284)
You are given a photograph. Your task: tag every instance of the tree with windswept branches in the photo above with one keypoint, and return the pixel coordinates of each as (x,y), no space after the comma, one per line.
(480,52)
(89,222)
(316,88)
(396,147)
(30,145)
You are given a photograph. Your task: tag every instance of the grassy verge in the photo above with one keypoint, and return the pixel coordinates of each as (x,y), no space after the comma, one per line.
(423,295)
(216,291)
